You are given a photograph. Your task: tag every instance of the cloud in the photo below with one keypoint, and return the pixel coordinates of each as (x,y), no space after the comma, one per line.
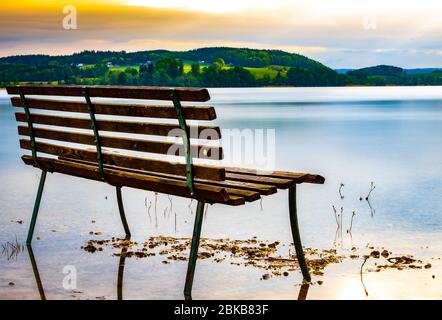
(333,32)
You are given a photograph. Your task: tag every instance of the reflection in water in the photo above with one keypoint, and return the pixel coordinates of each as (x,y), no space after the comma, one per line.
(372,210)
(187,297)
(155,209)
(36,273)
(351,222)
(120,277)
(302,295)
(12,249)
(121,272)
(339,215)
(368,197)
(362,279)
(303,291)
(340,191)
(40,285)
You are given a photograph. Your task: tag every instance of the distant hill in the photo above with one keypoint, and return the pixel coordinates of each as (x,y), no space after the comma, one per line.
(407,71)
(381,70)
(208,67)
(248,57)
(422,70)
(243,57)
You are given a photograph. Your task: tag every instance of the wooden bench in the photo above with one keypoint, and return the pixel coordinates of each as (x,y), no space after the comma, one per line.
(207,183)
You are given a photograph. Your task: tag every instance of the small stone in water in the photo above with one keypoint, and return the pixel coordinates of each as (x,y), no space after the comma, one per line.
(90,248)
(385,253)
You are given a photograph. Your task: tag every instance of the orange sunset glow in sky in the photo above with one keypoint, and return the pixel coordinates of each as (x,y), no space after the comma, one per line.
(339,33)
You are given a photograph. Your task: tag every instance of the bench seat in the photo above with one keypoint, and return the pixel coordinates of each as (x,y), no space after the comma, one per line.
(241,184)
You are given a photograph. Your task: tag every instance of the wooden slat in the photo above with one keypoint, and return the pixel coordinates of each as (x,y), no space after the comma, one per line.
(263,189)
(235,200)
(278,182)
(130,110)
(125,92)
(160,147)
(200,171)
(248,196)
(158,129)
(254,187)
(231,189)
(209,193)
(295,176)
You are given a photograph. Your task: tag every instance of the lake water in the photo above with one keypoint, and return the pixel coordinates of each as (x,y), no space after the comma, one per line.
(355,136)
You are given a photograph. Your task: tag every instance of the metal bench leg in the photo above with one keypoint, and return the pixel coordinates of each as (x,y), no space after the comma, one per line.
(122,214)
(36,207)
(295,232)
(194,249)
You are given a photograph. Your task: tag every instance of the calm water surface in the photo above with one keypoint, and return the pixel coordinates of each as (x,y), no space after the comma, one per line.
(389,136)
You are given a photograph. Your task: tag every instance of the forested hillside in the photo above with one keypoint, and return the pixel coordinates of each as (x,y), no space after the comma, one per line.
(208,67)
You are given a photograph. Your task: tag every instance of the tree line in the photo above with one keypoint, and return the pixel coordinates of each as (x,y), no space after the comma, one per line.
(171,72)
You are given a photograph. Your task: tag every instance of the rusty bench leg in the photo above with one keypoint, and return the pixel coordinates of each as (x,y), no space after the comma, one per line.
(36,207)
(295,232)
(194,249)
(122,214)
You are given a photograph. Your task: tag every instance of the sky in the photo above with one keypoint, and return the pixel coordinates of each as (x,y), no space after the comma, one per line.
(338,33)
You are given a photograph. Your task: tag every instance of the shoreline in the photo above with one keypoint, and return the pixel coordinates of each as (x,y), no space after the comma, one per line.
(260,87)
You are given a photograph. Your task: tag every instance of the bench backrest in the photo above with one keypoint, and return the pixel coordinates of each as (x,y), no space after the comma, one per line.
(153,122)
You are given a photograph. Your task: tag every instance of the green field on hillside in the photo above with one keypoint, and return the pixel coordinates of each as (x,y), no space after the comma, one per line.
(258,73)
(123,68)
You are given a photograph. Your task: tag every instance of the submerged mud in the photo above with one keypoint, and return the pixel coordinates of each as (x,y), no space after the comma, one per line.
(274,258)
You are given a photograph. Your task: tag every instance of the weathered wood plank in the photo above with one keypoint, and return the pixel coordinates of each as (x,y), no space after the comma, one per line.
(157,129)
(278,182)
(130,110)
(200,171)
(231,188)
(126,92)
(248,196)
(263,189)
(295,176)
(159,147)
(235,200)
(258,188)
(208,193)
